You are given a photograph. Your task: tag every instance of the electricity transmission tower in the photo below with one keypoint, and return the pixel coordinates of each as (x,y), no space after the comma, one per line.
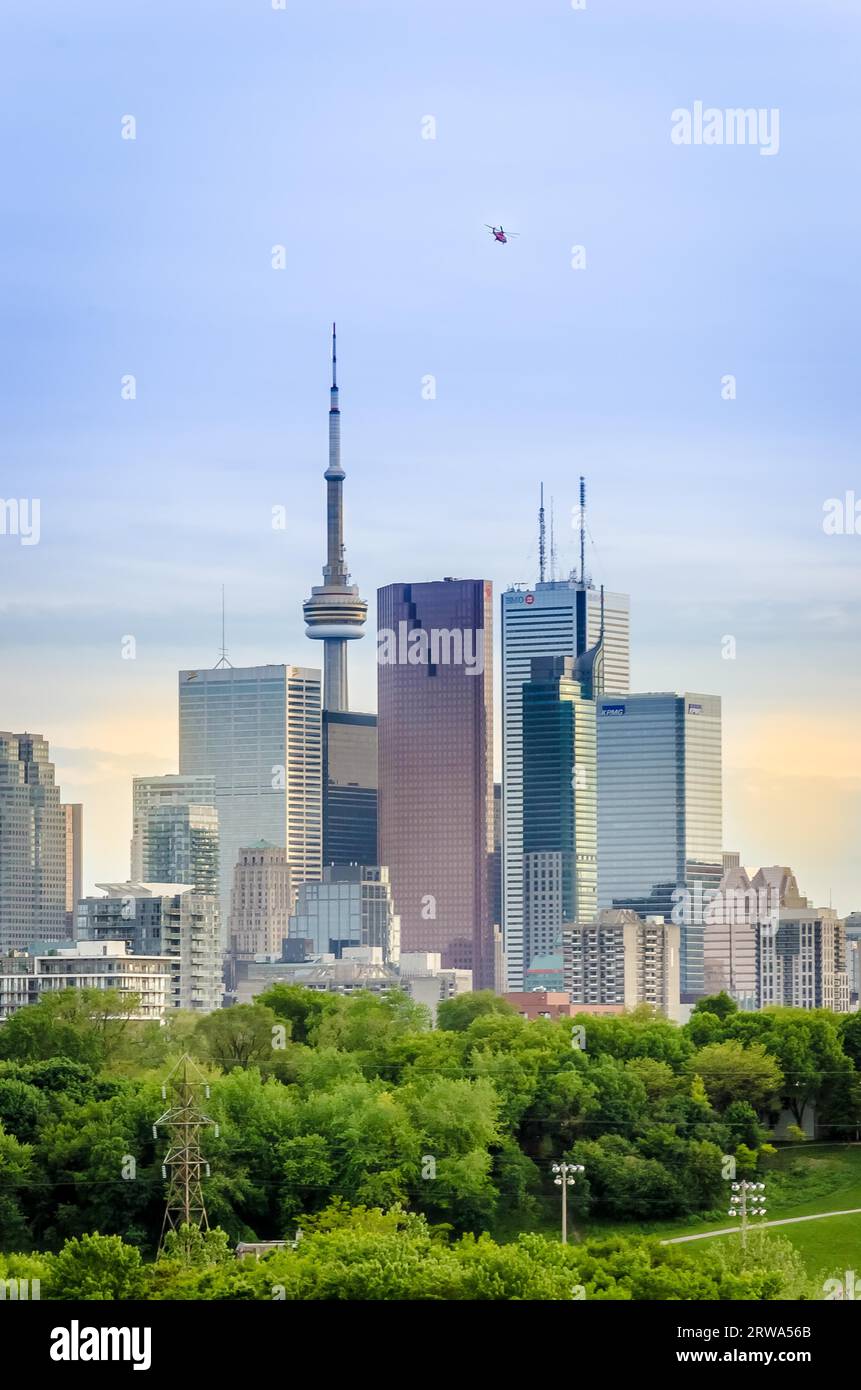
(184,1166)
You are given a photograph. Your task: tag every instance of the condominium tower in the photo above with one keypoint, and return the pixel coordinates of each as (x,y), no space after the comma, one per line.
(32,844)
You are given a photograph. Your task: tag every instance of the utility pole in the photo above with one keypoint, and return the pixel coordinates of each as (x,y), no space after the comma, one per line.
(565,1179)
(184,1166)
(748,1199)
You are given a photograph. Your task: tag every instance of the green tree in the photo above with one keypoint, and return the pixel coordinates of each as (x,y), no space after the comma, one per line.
(455,1015)
(80,1025)
(721,1005)
(96,1267)
(730,1070)
(242,1036)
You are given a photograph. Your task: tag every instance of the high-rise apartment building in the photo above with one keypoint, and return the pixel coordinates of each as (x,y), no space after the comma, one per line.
(560,803)
(162,919)
(660,812)
(261,901)
(620,958)
(73,813)
(152,793)
(435,683)
(555,618)
(257,731)
(352,906)
(32,844)
(733,917)
(182,847)
(802,964)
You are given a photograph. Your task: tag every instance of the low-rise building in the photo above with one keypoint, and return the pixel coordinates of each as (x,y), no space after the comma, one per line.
(103,965)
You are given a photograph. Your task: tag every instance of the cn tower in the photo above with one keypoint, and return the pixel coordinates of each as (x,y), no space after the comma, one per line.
(335,614)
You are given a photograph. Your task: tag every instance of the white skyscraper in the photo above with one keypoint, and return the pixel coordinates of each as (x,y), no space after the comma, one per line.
(557,618)
(257,731)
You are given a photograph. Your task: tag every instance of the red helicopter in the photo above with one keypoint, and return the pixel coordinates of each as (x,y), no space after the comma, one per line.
(499,234)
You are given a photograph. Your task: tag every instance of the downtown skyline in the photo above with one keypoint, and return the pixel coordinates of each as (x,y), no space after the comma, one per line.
(707,512)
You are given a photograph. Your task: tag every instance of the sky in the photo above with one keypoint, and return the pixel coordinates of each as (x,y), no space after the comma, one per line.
(306,128)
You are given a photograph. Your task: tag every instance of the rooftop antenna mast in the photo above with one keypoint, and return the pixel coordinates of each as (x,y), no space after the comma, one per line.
(552,545)
(223,658)
(582,530)
(541,537)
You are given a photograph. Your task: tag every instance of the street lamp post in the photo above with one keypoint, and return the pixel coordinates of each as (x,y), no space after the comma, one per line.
(565,1178)
(748,1199)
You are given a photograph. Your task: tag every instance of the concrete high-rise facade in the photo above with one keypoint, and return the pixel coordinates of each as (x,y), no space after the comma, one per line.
(660,812)
(162,919)
(435,684)
(261,901)
(258,731)
(560,804)
(73,813)
(802,964)
(32,844)
(621,958)
(734,915)
(150,794)
(353,906)
(555,618)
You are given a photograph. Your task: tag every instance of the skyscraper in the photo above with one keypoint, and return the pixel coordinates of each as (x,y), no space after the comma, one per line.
(660,812)
(335,614)
(182,847)
(560,803)
(349,787)
(556,618)
(261,901)
(32,844)
(73,813)
(150,793)
(435,675)
(257,731)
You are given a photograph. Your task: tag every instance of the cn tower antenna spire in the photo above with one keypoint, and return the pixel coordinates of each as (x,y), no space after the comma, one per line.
(335,614)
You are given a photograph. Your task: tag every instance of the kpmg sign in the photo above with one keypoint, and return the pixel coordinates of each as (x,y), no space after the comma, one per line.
(612,709)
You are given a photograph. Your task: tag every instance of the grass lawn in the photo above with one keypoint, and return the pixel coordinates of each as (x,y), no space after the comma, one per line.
(801,1180)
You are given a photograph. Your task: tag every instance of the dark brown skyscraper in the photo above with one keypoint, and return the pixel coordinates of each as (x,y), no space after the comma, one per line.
(435,682)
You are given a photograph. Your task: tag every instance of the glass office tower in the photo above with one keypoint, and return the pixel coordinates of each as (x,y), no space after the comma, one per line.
(32,844)
(660,812)
(435,684)
(349,787)
(560,805)
(257,731)
(555,618)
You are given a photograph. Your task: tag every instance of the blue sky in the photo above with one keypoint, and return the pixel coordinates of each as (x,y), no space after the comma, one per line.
(303,128)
